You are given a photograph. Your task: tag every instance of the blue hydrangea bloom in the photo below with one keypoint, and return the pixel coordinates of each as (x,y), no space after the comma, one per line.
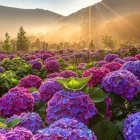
(131,129)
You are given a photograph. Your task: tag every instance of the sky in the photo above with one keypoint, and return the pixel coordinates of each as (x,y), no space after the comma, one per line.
(63,7)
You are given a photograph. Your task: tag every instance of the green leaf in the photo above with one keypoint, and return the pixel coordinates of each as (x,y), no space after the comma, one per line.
(13,123)
(33,89)
(2,120)
(106,130)
(2,125)
(97,94)
(74,83)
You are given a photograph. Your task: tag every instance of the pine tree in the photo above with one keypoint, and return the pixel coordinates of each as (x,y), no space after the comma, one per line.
(6,46)
(22,40)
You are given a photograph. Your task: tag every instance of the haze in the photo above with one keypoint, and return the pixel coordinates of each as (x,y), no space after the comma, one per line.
(64,7)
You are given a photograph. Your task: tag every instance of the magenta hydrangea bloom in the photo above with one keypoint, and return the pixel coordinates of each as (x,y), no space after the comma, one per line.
(68,74)
(52,66)
(66,129)
(101,63)
(113,66)
(133,67)
(122,83)
(137,56)
(48,89)
(19,133)
(35,64)
(30,121)
(130,58)
(53,75)
(131,129)
(36,96)
(82,66)
(16,101)
(120,60)
(30,81)
(110,57)
(70,104)
(3,137)
(97,75)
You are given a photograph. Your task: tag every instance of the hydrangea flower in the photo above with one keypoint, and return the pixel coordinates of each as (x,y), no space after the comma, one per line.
(66,129)
(70,104)
(132,127)
(30,81)
(3,137)
(68,74)
(113,66)
(19,133)
(123,83)
(133,67)
(30,121)
(52,66)
(35,64)
(36,96)
(82,66)
(97,75)
(1,70)
(48,89)
(101,63)
(137,56)
(16,101)
(120,60)
(53,75)
(3,131)
(130,58)
(110,57)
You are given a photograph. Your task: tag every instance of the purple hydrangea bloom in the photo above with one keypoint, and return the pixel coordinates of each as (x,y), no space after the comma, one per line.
(52,66)
(70,104)
(36,96)
(110,57)
(30,81)
(120,60)
(30,121)
(132,127)
(66,129)
(130,58)
(35,64)
(68,74)
(123,83)
(48,89)
(1,70)
(3,131)
(19,133)
(133,67)
(16,101)
(101,63)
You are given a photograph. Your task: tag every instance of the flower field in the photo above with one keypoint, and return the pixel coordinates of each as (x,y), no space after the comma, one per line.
(69,95)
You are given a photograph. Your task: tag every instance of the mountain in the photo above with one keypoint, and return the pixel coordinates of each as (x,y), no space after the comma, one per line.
(31,19)
(90,22)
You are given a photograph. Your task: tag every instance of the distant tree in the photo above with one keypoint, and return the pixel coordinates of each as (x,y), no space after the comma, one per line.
(22,40)
(91,45)
(109,42)
(6,46)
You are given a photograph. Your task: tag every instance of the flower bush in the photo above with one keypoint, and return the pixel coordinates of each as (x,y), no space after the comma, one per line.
(16,101)
(132,127)
(68,74)
(30,81)
(35,64)
(122,83)
(70,104)
(66,128)
(48,89)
